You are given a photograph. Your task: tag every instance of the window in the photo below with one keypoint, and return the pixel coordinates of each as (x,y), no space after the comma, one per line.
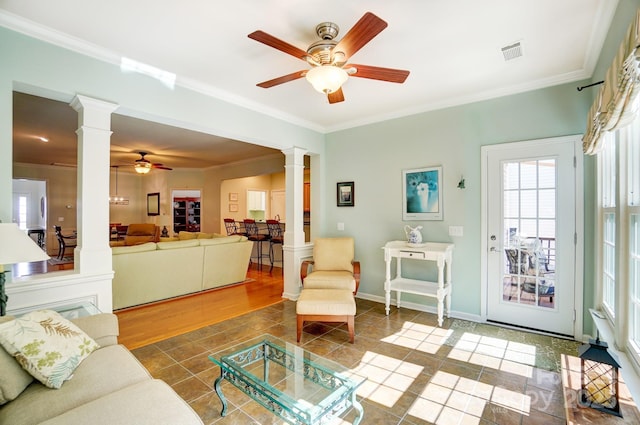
(608,212)
(619,212)
(633,223)
(22,212)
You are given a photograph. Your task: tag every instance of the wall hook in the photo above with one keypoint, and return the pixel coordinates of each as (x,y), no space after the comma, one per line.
(461,183)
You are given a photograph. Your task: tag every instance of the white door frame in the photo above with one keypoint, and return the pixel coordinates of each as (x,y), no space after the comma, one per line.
(579,220)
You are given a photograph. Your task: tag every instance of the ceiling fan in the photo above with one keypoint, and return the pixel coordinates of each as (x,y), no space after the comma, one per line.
(328,58)
(143,165)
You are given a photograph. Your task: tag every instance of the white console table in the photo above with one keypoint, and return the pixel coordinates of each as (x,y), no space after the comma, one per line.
(441,253)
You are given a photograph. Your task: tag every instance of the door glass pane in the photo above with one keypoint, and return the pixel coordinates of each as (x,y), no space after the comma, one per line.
(528,175)
(529,220)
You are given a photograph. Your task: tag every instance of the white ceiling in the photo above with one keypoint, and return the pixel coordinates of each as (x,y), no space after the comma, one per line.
(451,47)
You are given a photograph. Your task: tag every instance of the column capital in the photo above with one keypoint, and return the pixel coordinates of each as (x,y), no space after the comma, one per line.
(295,152)
(93,112)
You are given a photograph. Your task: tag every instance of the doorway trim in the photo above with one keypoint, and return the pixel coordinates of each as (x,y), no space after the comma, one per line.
(578,214)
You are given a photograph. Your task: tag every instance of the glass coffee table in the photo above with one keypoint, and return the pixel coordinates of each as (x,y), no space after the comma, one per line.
(295,384)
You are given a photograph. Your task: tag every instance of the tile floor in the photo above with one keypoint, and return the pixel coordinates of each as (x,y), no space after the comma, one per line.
(418,373)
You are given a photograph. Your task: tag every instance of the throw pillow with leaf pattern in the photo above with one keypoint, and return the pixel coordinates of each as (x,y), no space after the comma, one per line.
(46,345)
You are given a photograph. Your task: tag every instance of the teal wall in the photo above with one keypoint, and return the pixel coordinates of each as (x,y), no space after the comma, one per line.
(374,156)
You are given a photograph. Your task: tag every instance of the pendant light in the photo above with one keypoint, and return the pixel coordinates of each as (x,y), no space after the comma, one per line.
(115,199)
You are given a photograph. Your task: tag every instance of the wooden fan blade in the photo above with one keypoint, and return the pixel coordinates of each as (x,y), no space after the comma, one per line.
(336,96)
(283,79)
(360,34)
(276,43)
(377,73)
(160,167)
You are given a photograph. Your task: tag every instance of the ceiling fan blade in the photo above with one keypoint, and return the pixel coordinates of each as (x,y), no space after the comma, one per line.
(360,34)
(276,43)
(160,167)
(283,79)
(377,73)
(336,96)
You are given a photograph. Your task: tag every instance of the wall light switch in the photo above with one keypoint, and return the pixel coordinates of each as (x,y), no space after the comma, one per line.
(340,226)
(455,230)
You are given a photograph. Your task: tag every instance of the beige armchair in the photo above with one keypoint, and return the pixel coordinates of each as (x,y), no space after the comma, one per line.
(328,291)
(333,266)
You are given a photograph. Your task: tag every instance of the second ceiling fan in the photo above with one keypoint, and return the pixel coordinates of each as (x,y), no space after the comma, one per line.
(143,165)
(329,58)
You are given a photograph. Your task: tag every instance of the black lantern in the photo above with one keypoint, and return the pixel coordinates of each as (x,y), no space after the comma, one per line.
(599,373)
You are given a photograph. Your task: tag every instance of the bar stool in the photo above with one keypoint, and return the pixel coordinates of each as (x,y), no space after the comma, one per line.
(253,234)
(275,237)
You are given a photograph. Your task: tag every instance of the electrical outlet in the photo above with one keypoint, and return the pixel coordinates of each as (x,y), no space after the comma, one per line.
(60,218)
(455,230)
(341,226)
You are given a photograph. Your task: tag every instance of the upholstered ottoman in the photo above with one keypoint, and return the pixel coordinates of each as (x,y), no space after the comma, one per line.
(326,305)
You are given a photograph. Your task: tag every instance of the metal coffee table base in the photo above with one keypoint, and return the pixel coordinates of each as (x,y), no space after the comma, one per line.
(337,393)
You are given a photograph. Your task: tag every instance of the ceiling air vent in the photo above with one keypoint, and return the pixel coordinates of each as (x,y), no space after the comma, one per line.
(512,51)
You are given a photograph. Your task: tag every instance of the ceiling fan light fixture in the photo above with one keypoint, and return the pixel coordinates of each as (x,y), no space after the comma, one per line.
(142,167)
(327,78)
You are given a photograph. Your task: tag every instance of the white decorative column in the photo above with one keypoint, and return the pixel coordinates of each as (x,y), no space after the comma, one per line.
(91,279)
(94,139)
(294,247)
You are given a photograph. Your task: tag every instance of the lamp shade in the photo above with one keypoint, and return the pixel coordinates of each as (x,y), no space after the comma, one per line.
(17,247)
(327,78)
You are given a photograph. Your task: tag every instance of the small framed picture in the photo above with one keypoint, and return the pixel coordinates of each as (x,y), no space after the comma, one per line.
(345,194)
(233,197)
(153,203)
(233,207)
(422,194)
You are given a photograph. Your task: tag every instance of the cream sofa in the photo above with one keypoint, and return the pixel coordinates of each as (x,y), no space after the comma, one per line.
(156,271)
(109,387)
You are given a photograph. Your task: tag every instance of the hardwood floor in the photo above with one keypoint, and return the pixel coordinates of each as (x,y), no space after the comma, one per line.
(37,267)
(144,325)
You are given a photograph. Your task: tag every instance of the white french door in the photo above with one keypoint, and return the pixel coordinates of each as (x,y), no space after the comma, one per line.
(530,208)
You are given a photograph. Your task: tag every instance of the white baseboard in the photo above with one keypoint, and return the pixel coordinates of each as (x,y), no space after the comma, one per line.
(422,307)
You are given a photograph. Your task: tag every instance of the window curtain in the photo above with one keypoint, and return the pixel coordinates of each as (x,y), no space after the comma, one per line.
(618,100)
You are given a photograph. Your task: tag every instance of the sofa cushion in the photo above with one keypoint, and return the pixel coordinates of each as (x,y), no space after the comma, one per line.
(149,246)
(150,402)
(183,236)
(222,240)
(178,244)
(202,235)
(330,279)
(46,345)
(103,327)
(13,378)
(106,370)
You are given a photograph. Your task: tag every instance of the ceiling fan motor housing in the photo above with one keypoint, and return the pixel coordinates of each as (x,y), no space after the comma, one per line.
(322,51)
(327,30)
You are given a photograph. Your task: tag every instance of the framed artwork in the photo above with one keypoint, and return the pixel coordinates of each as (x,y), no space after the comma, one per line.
(153,203)
(233,197)
(345,194)
(422,194)
(233,207)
